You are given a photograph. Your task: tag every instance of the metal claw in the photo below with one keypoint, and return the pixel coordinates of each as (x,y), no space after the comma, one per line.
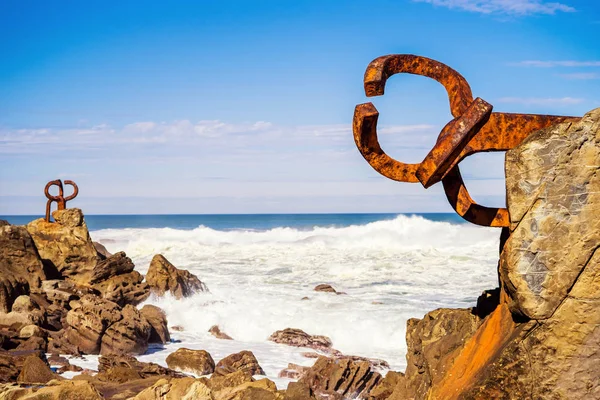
(61,201)
(475,128)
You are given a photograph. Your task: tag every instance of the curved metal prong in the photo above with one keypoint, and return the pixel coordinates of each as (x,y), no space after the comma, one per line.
(465,206)
(381,68)
(75,190)
(364,126)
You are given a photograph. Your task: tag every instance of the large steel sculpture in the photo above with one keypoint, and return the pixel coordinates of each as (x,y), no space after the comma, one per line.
(475,128)
(61,201)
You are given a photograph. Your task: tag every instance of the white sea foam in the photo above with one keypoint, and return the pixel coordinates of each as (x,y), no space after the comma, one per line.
(391,271)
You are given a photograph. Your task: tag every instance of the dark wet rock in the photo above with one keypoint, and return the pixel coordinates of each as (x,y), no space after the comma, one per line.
(325,288)
(299,338)
(216,332)
(198,362)
(164,277)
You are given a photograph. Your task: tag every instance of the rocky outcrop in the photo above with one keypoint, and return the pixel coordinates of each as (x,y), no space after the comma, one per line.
(36,370)
(198,362)
(114,265)
(144,369)
(164,277)
(123,289)
(65,245)
(244,361)
(20,265)
(128,335)
(87,322)
(540,339)
(299,338)
(159,331)
(340,379)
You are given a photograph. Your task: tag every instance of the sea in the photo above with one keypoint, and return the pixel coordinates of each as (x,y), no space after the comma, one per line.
(260,269)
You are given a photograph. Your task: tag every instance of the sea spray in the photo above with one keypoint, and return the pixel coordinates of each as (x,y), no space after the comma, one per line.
(390,270)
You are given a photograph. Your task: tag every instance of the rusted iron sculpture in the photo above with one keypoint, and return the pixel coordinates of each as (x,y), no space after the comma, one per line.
(61,201)
(475,128)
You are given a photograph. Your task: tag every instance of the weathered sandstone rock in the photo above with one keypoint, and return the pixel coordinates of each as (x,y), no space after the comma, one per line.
(128,335)
(198,362)
(340,379)
(20,264)
(54,390)
(243,361)
(12,362)
(159,331)
(88,321)
(553,194)
(24,312)
(298,391)
(65,245)
(164,277)
(123,289)
(324,287)
(144,369)
(299,338)
(36,370)
(116,264)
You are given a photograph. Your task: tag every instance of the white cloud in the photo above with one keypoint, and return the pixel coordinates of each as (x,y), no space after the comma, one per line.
(514,7)
(530,101)
(550,64)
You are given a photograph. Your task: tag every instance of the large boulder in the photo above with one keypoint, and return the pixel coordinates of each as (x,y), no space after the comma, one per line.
(12,362)
(243,361)
(20,264)
(87,322)
(299,338)
(65,245)
(198,362)
(36,370)
(129,335)
(24,312)
(159,331)
(341,378)
(164,277)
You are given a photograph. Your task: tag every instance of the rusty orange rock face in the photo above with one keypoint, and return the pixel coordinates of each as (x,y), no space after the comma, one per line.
(474,129)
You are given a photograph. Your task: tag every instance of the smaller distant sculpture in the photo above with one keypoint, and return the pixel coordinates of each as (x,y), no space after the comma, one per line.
(61,201)
(475,128)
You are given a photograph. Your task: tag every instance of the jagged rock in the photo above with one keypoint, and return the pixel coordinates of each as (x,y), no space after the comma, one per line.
(102,252)
(65,245)
(164,277)
(35,370)
(24,312)
(175,389)
(324,287)
(243,361)
(386,386)
(88,321)
(117,264)
(159,331)
(54,390)
(216,332)
(127,288)
(341,378)
(298,391)
(144,369)
(129,334)
(198,362)
(61,292)
(10,289)
(299,338)
(11,363)
(20,263)
(293,371)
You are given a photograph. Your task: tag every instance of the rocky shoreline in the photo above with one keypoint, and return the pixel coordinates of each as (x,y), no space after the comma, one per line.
(536,336)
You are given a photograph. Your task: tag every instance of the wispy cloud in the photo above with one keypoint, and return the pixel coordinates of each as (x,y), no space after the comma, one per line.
(580,76)
(550,64)
(514,7)
(530,101)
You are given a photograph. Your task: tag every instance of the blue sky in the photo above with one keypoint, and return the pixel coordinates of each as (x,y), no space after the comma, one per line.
(245,107)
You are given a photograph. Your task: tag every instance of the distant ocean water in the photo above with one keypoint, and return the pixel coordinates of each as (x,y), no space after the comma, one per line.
(259,267)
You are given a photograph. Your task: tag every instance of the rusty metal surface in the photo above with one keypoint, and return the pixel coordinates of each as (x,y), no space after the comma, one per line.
(61,201)
(474,129)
